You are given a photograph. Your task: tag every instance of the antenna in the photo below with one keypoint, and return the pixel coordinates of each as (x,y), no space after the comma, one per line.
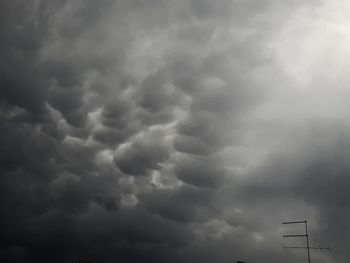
(306,235)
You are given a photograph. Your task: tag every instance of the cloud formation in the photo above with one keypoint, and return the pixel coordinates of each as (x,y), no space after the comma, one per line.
(172,131)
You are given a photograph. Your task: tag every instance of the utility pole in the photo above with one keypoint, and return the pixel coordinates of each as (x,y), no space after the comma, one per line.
(306,235)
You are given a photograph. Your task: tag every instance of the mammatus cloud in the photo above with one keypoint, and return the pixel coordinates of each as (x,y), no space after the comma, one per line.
(172,131)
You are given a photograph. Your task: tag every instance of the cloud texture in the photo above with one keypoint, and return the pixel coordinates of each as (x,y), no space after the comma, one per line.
(173,131)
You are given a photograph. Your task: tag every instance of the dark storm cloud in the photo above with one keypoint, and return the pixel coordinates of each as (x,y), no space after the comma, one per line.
(186,204)
(116,114)
(117,124)
(20,70)
(141,158)
(205,130)
(202,172)
(26,152)
(324,183)
(68,102)
(157,94)
(297,181)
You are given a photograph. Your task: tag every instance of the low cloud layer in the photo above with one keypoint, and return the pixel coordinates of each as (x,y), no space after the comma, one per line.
(173,131)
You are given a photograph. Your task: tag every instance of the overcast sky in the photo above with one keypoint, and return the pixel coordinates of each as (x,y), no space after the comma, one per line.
(174,130)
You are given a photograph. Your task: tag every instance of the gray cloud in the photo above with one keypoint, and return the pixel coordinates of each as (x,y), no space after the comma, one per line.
(140,158)
(171,131)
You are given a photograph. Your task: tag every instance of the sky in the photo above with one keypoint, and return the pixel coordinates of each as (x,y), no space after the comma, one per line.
(174,131)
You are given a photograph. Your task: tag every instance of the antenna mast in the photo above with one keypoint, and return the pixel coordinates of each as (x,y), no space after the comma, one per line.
(306,235)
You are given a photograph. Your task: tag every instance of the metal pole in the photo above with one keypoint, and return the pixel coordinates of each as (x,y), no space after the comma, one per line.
(307,242)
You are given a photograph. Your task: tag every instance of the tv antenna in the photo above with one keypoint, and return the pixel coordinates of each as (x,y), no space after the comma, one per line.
(306,235)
